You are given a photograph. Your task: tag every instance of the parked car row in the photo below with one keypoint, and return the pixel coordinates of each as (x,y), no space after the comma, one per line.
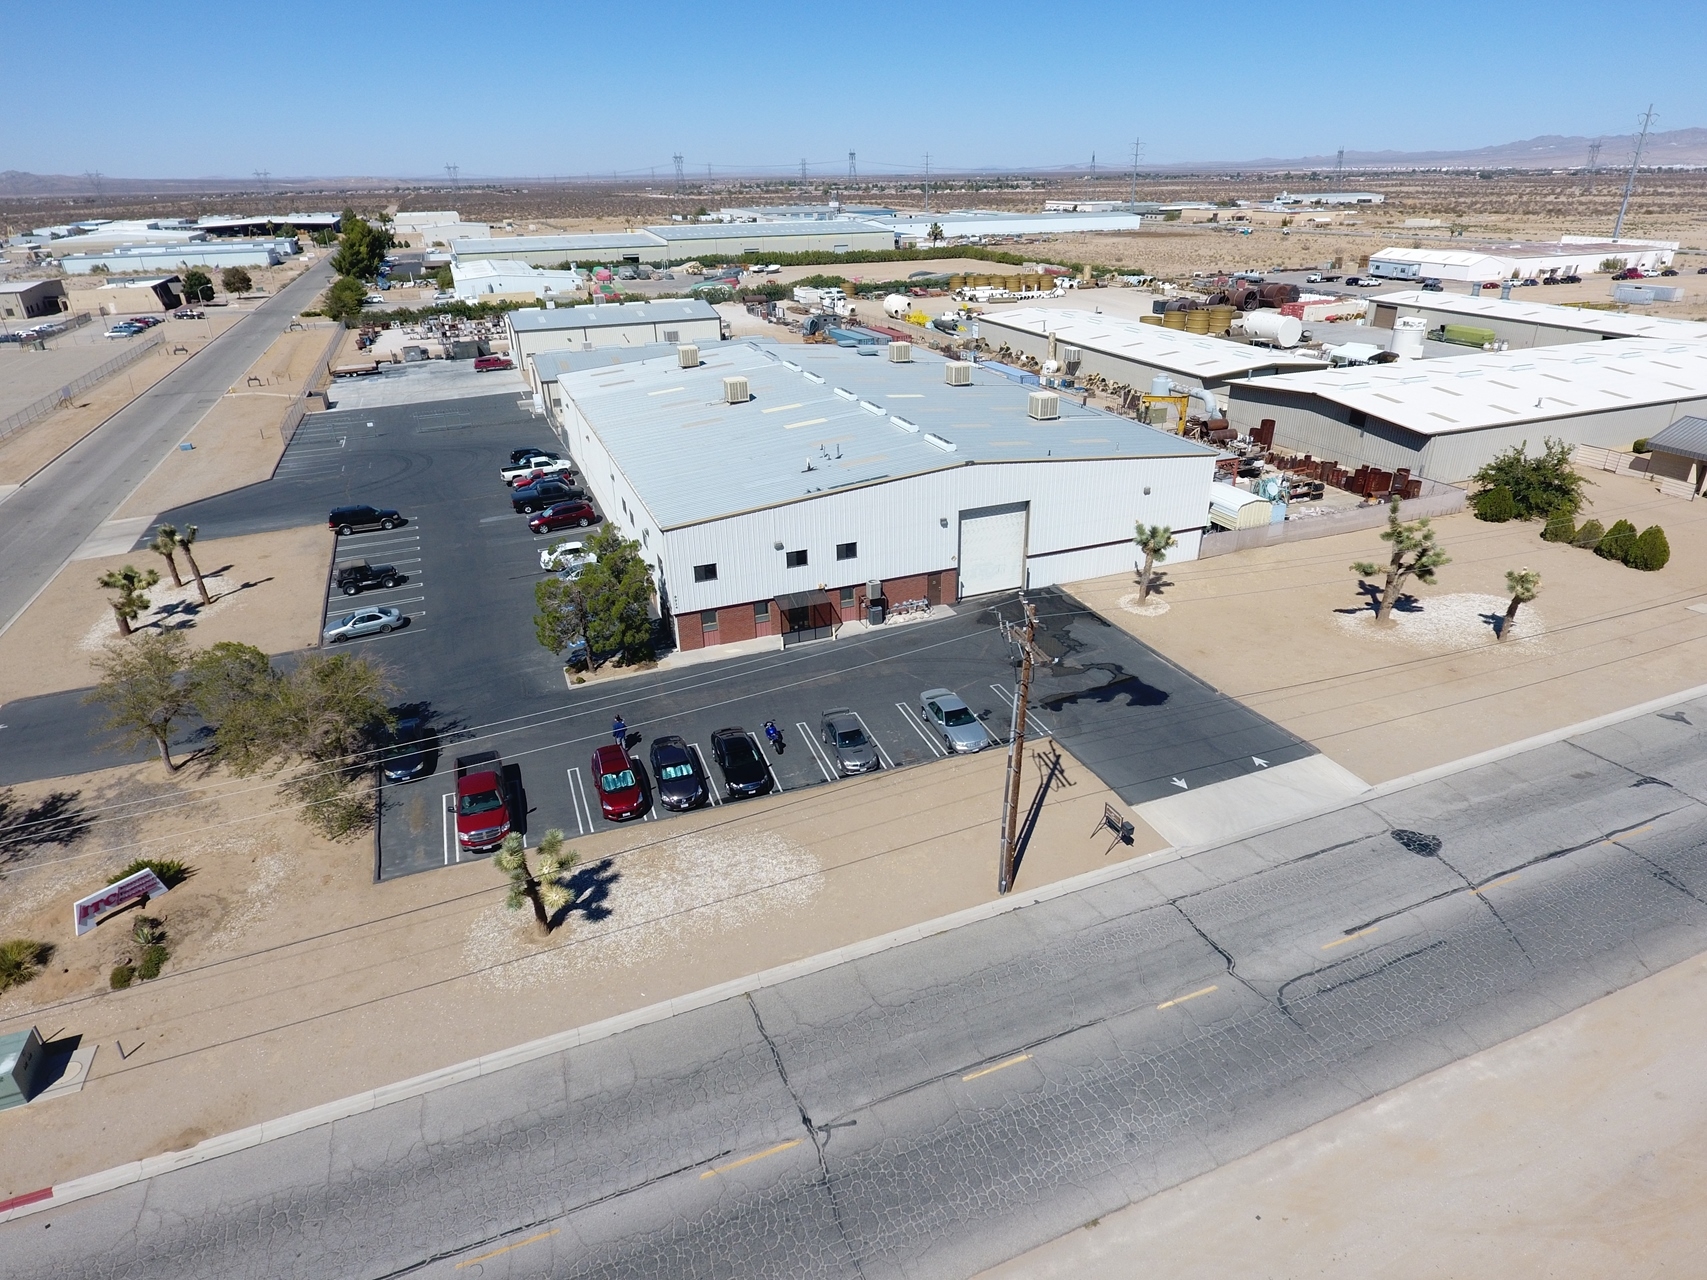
(133,325)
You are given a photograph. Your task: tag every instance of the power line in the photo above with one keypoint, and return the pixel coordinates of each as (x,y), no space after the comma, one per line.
(1630,182)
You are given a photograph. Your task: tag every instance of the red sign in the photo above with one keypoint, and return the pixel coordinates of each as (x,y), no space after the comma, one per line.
(87,912)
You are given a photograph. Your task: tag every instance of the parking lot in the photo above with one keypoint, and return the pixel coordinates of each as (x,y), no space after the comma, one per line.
(468,658)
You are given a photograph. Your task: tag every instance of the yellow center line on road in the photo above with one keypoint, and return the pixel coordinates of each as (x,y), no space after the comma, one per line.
(757,1155)
(1201,991)
(543,1235)
(984,1071)
(804,422)
(1340,942)
(781,408)
(1483,888)
(1634,831)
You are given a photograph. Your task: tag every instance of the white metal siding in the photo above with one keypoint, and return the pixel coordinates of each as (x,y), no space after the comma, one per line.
(992,550)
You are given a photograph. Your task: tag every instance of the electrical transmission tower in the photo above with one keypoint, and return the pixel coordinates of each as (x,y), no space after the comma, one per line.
(1630,182)
(1339,165)
(853,169)
(1029,652)
(927,182)
(1093,166)
(94,176)
(1137,150)
(261,176)
(680,181)
(803,168)
(451,172)
(1593,163)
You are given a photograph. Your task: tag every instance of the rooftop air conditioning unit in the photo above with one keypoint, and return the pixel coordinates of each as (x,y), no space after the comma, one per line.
(958,373)
(1044,406)
(735,390)
(687,356)
(900,353)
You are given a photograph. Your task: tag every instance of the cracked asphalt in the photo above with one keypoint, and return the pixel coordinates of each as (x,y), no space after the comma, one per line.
(944,1105)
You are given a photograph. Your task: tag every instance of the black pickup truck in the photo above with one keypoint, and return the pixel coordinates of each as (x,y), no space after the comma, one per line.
(353,579)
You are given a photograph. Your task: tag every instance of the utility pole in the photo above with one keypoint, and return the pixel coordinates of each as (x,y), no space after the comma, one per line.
(1029,652)
(1093,166)
(1137,148)
(927,182)
(1630,182)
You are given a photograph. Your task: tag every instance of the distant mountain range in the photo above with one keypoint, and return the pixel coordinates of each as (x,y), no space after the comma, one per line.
(1550,151)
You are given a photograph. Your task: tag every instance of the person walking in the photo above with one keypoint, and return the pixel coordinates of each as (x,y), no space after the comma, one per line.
(619,731)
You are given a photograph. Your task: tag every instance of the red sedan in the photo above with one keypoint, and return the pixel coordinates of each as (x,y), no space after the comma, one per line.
(564,515)
(620,793)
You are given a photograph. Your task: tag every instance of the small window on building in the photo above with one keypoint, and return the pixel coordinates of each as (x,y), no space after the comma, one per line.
(796,559)
(705,573)
(762,611)
(847,550)
(847,597)
(1355,417)
(708,620)
(674,335)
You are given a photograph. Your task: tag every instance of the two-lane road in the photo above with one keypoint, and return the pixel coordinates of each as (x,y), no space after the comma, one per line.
(43,523)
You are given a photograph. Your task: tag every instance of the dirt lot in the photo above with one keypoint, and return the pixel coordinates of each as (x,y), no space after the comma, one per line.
(375,971)
(1285,630)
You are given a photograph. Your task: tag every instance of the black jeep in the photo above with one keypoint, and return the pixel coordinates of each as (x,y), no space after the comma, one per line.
(352,579)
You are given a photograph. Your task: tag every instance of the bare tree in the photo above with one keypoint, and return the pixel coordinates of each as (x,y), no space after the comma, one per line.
(1524,585)
(1153,540)
(1414,554)
(130,582)
(143,690)
(164,545)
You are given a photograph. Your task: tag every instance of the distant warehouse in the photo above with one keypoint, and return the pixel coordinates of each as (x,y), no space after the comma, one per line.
(1521,323)
(683,242)
(174,257)
(1446,418)
(776,490)
(1570,255)
(610,324)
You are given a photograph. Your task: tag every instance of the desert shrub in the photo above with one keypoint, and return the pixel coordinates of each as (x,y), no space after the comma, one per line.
(172,873)
(153,960)
(1539,485)
(1617,541)
(1651,550)
(1496,505)
(1641,446)
(20,960)
(121,976)
(332,803)
(1560,527)
(1589,535)
(147,931)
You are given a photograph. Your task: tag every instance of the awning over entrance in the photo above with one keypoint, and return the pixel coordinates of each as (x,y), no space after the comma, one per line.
(803,600)
(1686,438)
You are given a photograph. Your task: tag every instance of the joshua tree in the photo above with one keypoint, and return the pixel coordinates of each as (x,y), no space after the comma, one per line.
(1524,585)
(130,582)
(1153,540)
(546,890)
(164,545)
(185,537)
(1414,552)
(935,233)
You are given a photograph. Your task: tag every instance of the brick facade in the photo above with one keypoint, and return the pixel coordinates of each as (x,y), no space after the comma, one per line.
(736,622)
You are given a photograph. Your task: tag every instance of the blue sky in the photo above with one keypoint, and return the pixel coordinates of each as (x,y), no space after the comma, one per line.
(525,88)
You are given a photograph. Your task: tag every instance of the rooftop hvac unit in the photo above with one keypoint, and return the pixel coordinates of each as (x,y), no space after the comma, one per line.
(735,390)
(687,356)
(1070,357)
(958,373)
(1044,406)
(900,353)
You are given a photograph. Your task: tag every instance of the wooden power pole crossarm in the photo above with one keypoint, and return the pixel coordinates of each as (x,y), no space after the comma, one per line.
(1029,651)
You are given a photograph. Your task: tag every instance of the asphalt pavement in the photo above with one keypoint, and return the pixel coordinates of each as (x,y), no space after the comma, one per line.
(943,1105)
(44,522)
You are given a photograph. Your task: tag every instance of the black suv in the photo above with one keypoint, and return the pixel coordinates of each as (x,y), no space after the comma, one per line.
(350,519)
(353,579)
(543,493)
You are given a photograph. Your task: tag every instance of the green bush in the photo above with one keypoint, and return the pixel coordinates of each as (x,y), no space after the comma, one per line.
(1617,541)
(20,960)
(1496,505)
(1651,550)
(1641,446)
(153,960)
(1540,485)
(1559,528)
(1589,535)
(121,977)
(172,873)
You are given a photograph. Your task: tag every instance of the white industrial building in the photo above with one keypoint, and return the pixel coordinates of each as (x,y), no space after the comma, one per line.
(423,230)
(1129,351)
(216,254)
(1444,419)
(532,330)
(832,473)
(481,279)
(683,242)
(1330,197)
(977,224)
(1570,256)
(1522,324)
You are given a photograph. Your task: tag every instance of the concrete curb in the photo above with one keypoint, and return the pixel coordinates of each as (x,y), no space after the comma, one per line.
(123,1175)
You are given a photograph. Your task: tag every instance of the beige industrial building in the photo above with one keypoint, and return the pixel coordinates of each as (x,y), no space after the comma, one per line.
(1521,323)
(26,299)
(140,297)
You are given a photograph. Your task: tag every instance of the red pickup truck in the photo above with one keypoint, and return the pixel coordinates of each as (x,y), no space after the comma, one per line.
(482,803)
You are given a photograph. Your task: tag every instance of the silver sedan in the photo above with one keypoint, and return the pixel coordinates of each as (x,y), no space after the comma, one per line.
(947,713)
(363,622)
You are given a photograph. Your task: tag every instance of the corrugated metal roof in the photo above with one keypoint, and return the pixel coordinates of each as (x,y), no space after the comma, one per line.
(1687,438)
(549,366)
(735,230)
(1611,324)
(1148,344)
(1501,388)
(609,314)
(569,246)
(823,418)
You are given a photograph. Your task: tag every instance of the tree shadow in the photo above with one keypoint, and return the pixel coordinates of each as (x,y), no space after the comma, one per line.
(55,819)
(1496,623)
(1159,580)
(1371,592)
(1121,684)
(591,885)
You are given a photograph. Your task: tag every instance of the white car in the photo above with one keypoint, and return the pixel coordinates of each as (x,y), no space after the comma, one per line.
(563,555)
(523,468)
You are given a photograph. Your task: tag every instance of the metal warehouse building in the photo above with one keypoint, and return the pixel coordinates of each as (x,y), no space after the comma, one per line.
(1445,418)
(776,514)
(608,324)
(1571,255)
(683,242)
(23,299)
(551,251)
(173,257)
(1525,324)
(1127,351)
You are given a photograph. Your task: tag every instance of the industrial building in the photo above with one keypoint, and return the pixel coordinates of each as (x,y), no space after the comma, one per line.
(483,280)
(774,489)
(1522,324)
(140,297)
(1680,453)
(552,251)
(976,224)
(1570,256)
(175,257)
(1330,197)
(265,224)
(423,230)
(683,242)
(608,324)
(1132,352)
(802,212)
(1444,419)
(547,369)
(26,299)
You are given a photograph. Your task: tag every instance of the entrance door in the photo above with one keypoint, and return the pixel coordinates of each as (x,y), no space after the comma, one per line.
(992,549)
(799,619)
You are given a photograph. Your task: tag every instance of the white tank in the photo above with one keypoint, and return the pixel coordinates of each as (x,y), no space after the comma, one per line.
(1408,335)
(1161,385)
(1274,328)
(897,305)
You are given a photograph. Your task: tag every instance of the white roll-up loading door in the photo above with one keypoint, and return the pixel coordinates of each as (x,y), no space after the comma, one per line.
(992,549)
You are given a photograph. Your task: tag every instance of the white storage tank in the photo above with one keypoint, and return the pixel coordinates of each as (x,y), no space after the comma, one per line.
(1274,328)
(1408,335)
(897,305)
(1234,508)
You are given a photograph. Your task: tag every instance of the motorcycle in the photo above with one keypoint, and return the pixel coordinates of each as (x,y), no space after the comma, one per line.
(774,735)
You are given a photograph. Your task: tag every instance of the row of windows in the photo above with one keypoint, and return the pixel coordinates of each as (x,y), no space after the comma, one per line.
(762,610)
(794,560)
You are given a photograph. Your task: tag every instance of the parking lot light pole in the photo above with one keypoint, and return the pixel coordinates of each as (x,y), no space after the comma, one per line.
(1027,642)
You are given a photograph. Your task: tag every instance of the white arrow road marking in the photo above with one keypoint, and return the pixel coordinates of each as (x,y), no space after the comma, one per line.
(1180,783)
(1259,762)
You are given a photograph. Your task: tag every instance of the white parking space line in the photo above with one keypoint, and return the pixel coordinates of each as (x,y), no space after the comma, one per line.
(448,802)
(389,604)
(775,781)
(881,753)
(1011,698)
(710,786)
(578,802)
(817,752)
(918,728)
